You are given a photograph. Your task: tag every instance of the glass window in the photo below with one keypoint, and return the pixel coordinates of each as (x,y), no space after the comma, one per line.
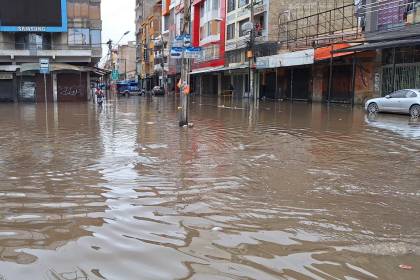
(166,23)
(231,5)
(242,32)
(95,38)
(215,6)
(411,94)
(243,3)
(231,31)
(78,36)
(398,94)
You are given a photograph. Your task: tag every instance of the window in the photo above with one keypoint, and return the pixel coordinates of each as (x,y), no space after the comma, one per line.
(411,94)
(242,32)
(78,36)
(202,10)
(166,23)
(231,31)
(215,6)
(398,94)
(231,5)
(95,38)
(243,3)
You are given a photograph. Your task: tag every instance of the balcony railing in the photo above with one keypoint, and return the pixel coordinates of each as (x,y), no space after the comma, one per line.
(46,46)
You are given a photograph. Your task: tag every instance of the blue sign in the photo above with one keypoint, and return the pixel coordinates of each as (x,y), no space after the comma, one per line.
(182,40)
(62,28)
(193,52)
(176,52)
(44,66)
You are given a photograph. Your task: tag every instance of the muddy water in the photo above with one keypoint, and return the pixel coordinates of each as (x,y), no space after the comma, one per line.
(288,191)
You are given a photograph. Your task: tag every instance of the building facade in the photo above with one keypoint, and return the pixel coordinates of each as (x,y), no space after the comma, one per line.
(68,35)
(209,32)
(149,43)
(126,61)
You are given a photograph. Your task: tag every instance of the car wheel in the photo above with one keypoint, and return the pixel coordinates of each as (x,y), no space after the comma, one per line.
(373,108)
(415,111)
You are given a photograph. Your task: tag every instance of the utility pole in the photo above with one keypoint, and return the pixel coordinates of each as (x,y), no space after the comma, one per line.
(251,55)
(109,43)
(162,64)
(185,70)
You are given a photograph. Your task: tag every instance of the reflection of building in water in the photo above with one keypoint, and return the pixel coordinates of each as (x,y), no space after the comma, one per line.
(49,193)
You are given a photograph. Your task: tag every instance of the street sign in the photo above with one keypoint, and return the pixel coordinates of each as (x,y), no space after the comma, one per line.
(182,41)
(194,53)
(44,66)
(176,53)
(187,40)
(115,75)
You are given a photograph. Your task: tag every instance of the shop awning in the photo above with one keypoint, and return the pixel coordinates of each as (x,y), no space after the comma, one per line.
(325,52)
(379,45)
(206,70)
(239,67)
(304,57)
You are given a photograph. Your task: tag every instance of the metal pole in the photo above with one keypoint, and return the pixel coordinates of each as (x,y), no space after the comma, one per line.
(331,73)
(393,69)
(353,81)
(125,69)
(291,85)
(251,60)
(185,69)
(45,89)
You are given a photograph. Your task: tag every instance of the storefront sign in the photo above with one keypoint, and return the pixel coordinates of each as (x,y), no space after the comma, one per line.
(6,76)
(286,59)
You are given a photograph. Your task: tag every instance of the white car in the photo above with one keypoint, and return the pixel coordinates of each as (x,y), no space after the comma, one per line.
(405,101)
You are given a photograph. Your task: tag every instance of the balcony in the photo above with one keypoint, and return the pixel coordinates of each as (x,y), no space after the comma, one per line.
(25,52)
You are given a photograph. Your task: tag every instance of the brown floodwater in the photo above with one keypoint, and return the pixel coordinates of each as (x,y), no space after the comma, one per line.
(282,191)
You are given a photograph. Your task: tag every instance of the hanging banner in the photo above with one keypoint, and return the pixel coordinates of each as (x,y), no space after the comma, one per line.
(194,53)
(176,53)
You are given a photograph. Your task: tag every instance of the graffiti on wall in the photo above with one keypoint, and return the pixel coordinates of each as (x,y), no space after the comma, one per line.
(69,91)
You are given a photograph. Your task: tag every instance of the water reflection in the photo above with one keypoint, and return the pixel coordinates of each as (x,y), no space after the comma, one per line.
(284,191)
(399,124)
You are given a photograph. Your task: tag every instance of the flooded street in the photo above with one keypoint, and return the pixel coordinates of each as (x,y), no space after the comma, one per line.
(288,191)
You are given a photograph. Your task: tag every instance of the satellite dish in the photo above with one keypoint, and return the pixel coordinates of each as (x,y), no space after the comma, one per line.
(248,26)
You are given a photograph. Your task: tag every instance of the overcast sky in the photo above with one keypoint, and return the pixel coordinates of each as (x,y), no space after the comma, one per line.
(118,17)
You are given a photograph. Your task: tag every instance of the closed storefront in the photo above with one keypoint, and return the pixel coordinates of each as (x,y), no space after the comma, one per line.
(71,87)
(7,92)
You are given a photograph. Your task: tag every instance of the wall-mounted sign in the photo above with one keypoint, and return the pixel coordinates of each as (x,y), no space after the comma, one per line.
(6,76)
(286,59)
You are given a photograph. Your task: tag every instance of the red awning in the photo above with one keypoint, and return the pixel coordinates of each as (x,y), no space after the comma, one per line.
(325,52)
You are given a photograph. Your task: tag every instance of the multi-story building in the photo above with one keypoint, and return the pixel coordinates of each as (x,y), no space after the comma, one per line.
(172,20)
(149,41)
(126,61)
(209,32)
(308,65)
(68,33)
(392,30)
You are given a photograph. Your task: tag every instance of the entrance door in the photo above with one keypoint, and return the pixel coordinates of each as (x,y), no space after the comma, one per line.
(71,87)
(268,86)
(6,91)
(341,84)
(298,85)
(238,85)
